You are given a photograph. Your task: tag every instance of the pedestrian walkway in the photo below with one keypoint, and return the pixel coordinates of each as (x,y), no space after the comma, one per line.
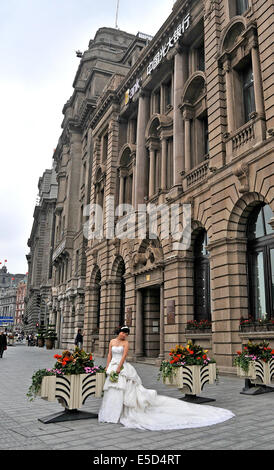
(252,427)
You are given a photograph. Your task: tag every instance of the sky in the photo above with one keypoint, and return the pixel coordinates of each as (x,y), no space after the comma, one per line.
(38,63)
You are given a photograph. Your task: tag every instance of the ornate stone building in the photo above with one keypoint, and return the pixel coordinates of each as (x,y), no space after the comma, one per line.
(191,123)
(39,282)
(106,62)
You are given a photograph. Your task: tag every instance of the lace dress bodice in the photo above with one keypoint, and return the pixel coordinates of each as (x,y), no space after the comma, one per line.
(117,353)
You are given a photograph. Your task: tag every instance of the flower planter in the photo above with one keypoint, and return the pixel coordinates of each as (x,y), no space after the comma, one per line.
(71,391)
(259,376)
(41,342)
(259,372)
(192,379)
(49,343)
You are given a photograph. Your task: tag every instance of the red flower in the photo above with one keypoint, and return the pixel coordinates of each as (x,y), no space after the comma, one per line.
(198,358)
(239,352)
(191,352)
(90,357)
(204,356)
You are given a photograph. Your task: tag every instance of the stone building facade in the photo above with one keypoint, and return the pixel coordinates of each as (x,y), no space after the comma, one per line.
(191,123)
(40,243)
(106,62)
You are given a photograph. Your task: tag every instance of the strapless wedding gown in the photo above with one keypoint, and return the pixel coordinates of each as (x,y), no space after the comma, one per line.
(129,403)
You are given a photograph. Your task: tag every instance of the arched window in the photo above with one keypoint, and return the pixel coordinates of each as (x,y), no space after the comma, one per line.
(202,310)
(260,254)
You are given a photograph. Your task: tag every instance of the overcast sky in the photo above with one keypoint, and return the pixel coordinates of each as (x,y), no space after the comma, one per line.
(38,40)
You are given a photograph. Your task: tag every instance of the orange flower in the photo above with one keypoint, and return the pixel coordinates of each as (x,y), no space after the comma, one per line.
(272,352)
(191,352)
(239,352)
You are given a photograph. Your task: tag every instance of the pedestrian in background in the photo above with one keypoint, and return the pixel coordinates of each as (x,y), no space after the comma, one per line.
(3,343)
(79,339)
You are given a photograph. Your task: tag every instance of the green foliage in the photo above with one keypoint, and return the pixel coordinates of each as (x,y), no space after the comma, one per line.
(190,355)
(253,352)
(51,333)
(36,382)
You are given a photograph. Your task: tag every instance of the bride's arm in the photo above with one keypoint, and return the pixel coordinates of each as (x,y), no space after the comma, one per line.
(109,354)
(126,348)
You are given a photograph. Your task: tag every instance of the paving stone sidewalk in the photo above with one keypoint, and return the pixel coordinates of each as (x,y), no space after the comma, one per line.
(251,428)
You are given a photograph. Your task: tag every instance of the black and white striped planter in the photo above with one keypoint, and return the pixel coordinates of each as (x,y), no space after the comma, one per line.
(192,379)
(259,376)
(71,391)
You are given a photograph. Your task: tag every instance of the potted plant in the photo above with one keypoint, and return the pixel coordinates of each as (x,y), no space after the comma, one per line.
(50,336)
(189,369)
(261,324)
(255,363)
(247,324)
(71,381)
(194,326)
(10,339)
(41,337)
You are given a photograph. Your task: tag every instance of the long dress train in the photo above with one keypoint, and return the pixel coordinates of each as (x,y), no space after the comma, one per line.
(129,403)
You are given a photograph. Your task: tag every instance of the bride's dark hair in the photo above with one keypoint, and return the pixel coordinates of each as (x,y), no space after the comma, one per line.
(123,329)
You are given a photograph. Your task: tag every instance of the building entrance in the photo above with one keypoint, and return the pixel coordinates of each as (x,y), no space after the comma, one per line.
(151,321)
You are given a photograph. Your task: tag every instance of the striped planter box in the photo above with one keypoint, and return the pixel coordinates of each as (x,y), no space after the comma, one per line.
(71,391)
(259,372)
(192,379)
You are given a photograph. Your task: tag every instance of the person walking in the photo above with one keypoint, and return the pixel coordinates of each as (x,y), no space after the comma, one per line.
(3,343)
(79,340)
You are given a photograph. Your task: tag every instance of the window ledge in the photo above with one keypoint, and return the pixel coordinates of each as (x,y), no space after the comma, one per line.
(246,137)
(195,175)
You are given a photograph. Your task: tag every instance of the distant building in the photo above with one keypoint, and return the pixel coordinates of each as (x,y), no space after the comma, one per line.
(8,292)
(20,305)
(40,256)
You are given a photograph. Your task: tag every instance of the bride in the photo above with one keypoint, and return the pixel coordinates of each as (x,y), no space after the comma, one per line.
(129,403)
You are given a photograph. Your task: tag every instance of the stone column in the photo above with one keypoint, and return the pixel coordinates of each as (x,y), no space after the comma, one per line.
(164,163)
(133,186)
(122,187)
(141,156)
(187,119)
(229,96)
(162,323)
(152,157)
(180,77)
(139,343)
(258,88)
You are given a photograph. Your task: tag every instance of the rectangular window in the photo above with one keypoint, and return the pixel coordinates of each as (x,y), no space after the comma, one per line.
(157,102)
(241,6)
(258,285)
(105,148)
(168,94)
(248,92)
(201,58)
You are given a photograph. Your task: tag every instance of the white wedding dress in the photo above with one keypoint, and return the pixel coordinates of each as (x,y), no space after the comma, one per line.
(129,403)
